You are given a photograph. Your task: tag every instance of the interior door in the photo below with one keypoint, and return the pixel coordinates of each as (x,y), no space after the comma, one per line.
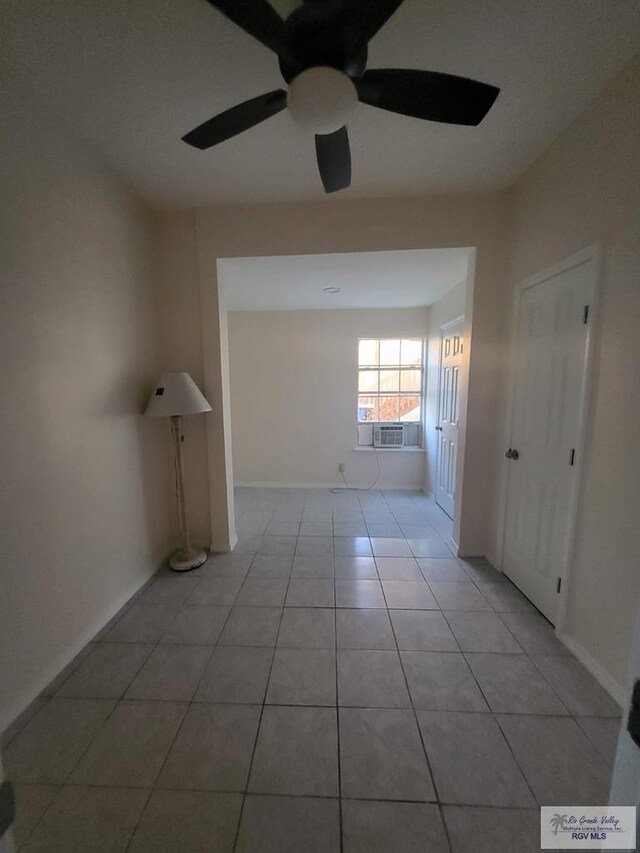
(547,403)
(451,346)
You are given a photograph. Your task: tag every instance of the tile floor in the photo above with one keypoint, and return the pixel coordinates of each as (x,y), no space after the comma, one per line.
(339,683)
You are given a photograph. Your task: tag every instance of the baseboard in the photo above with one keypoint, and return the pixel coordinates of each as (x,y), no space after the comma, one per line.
(492,557)
(616,690)
(224,546)
(389,487)
(456,546)
(29,697)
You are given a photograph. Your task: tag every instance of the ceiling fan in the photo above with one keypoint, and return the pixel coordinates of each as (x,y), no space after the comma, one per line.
(322,52)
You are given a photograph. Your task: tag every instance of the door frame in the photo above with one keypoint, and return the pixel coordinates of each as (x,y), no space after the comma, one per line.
(593,253)
(443,329)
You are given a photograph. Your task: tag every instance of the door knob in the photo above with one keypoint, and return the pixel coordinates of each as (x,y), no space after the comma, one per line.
(439,428)
(512,454)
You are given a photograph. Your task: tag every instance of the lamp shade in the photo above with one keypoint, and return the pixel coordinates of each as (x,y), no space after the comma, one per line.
(176,394)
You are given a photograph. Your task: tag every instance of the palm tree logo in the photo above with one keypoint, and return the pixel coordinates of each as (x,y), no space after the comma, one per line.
(557,822)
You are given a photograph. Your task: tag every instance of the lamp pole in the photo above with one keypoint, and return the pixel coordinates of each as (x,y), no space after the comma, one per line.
(177,395)
(186,557)
(178,437)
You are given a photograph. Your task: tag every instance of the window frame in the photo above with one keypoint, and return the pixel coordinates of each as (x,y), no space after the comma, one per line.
(396,367)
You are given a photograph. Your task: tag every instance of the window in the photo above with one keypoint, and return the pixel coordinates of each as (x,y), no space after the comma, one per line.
(390,379)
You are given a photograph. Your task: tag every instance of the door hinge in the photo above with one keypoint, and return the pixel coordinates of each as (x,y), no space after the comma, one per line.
(559,585)
(585,314)
(633,720)
(572,456)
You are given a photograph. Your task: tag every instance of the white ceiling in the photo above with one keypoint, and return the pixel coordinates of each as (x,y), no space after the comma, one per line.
(403,279)
(132,77)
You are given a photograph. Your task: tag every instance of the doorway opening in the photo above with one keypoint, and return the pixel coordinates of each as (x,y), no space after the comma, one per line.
(334,371)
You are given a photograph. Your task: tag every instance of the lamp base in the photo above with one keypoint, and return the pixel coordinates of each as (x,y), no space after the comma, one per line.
(185,559)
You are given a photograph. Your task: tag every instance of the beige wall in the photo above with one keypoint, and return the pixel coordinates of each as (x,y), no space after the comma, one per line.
(480,221)
(586,188)
(85,480)
(178,299)
(293,396)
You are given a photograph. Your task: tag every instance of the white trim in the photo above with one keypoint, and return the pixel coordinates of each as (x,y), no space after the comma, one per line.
(368,448)
(452,542)
(589,253)
(384,488)
(584,421)
(450,323)
(459,511)
(616,690)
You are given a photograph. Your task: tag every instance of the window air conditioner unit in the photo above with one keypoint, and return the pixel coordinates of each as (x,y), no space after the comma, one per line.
(388,435)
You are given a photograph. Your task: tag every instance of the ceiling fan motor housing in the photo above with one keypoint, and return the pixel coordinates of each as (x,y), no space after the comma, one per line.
(317,34)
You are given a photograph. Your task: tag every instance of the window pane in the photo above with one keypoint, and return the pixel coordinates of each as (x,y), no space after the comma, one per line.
(368,382)
(390,352)
(389,380)
(367,408)
(368,353)
(412,352)
(388,408)
(410,380)
(410,407)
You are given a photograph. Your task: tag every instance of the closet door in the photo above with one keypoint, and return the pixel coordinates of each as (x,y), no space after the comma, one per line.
(547,404)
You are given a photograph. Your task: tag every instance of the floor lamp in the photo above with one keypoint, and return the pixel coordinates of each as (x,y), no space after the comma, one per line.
(177,395)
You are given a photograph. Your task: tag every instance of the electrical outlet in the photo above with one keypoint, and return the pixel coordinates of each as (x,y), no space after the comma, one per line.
(341,467)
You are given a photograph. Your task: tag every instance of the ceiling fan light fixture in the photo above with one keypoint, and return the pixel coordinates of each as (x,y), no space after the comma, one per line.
(329,39)
(322,99)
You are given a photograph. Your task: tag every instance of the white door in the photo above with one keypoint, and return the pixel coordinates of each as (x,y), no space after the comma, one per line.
(451,346)
(547,402)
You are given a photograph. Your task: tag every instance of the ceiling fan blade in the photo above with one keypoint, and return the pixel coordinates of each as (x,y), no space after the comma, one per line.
(234,121)
(427,95)
(363,19)
(334,160)
(258,18)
